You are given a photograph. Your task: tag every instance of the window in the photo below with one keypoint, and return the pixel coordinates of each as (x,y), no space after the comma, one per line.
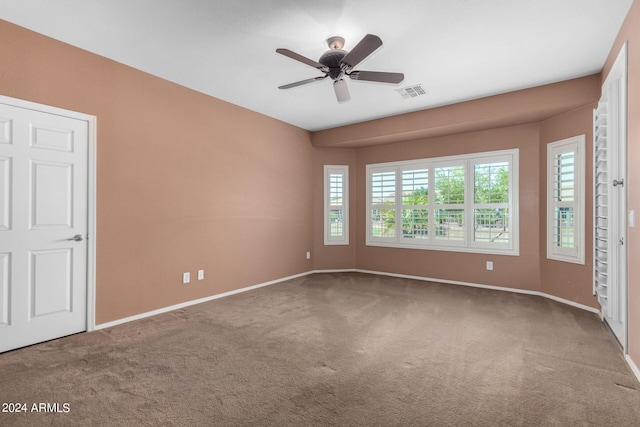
(382,209)
(491,202)
(461,203)
(449,212)
(415,200)
(565,200)
(336,205)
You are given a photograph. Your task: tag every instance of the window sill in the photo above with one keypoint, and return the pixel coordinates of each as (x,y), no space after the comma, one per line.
(464,249)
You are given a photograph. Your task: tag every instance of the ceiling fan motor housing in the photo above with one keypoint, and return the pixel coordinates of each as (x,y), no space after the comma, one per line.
(332,59)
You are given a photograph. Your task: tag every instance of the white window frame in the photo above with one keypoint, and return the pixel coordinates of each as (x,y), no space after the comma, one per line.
(512,247)
(576,254)
(330,170)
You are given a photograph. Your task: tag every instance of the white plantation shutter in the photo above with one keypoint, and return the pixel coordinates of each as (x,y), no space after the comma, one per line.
(336,205)
(414,211)
(492,216)
(602,215)
(565,200)
(449,210)
(382,204)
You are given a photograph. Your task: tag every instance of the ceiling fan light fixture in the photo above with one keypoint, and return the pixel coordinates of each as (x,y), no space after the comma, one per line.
(342,91)
(335,42)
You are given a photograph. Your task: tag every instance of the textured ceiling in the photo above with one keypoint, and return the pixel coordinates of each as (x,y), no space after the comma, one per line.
(457,49)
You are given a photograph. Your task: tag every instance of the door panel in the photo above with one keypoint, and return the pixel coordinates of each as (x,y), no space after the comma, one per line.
(51,197)
(4,290)
(51,282)
(5,130)
(5,190)
(49,138)
(43,205)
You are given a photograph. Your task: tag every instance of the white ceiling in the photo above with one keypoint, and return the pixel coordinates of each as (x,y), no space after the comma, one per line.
(457,49)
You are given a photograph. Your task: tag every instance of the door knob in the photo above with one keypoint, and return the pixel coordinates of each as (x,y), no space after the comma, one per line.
(76,238)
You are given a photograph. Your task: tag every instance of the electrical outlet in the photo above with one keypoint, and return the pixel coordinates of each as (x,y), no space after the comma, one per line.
(308,255)
(186,277)
(200,274)
(489,265)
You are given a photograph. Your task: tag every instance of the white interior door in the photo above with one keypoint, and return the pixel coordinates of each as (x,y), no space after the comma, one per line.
(43,226)
(610,200)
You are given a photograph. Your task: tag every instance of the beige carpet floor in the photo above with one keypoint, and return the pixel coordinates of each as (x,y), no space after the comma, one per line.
(344,349)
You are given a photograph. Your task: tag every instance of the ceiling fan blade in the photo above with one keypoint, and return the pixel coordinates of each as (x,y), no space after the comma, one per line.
(342,91)
(303,59)
(364,48)
(302,82)
(377,76)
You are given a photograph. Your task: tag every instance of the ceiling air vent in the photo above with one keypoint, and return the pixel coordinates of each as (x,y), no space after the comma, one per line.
(411,91)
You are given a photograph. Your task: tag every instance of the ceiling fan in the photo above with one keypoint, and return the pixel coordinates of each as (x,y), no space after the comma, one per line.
(337,63)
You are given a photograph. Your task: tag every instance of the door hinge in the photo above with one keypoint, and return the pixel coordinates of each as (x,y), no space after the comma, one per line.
(621,241)
(618,182)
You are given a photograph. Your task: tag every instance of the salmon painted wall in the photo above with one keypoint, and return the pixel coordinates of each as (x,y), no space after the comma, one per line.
(509,271)
(553,112)
(184,181)
(492,112)
(629,32)
(573,282)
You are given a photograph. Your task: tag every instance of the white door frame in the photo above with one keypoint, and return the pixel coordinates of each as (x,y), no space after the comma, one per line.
(91,191)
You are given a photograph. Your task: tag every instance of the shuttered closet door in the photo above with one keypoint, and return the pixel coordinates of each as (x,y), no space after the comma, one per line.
(610,199)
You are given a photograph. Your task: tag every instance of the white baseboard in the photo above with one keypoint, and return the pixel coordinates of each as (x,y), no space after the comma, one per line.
(633,366)
(194,302)
(478,285)
(339,270)
(351,270)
